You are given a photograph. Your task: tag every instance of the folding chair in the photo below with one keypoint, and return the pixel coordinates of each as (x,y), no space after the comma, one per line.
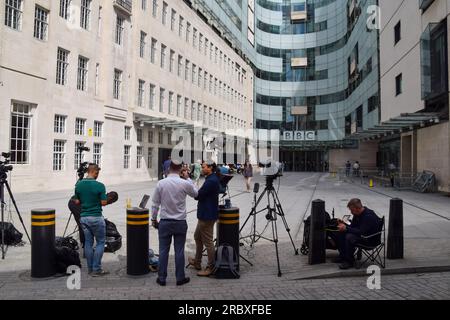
(372,252)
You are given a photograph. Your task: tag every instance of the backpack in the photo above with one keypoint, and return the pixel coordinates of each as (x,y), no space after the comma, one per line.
(64,257)
(153,261)
(66,242)
(227,263)
(113,239)
(12,235)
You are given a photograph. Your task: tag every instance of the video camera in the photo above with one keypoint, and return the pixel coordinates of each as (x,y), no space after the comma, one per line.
(271,168)
(83,168)
(4,167)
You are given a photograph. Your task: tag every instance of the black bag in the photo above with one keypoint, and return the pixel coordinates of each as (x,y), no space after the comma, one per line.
(64,257)
(226,266)
(12,235)
(66,242)
(113,239)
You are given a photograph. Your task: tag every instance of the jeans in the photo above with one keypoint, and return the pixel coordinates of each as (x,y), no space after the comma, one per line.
(94,227)
(204,236)
(166,230)
(346,243)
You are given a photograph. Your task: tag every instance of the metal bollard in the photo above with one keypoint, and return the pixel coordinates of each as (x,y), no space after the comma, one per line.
(395,234)
(317,237)
(228,228)
(43,264)
(137,241)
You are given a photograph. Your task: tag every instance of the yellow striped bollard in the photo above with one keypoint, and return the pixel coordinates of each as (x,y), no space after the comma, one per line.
(137,241)
(228,228)
(43,263)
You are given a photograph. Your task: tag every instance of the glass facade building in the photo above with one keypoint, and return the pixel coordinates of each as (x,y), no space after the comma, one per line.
(316,68)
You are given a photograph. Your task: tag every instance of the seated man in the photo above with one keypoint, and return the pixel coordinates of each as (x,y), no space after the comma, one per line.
(365,222)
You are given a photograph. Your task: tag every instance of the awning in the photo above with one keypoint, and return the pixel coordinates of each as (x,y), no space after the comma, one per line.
(403,123)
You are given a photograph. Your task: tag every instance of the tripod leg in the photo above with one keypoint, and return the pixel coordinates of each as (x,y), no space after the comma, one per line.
(17,209)
(281,213)
(2,199)
(67,225)
(275,239)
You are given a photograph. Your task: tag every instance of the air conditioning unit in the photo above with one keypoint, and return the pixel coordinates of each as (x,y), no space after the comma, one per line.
(299,62)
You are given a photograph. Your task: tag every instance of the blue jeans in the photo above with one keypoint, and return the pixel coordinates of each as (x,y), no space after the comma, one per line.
(94,227)
(168,229)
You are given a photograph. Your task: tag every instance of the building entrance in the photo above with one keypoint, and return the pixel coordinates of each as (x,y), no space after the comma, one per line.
(305,161)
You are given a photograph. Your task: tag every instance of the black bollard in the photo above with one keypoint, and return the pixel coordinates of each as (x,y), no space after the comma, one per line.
(137,241)
(228,229)
(317,236)
(43,264)
(395,234)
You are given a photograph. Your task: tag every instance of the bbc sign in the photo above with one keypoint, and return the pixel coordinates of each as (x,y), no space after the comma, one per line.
(299,135)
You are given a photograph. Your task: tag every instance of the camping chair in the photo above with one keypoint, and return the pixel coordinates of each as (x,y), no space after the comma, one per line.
(372,252)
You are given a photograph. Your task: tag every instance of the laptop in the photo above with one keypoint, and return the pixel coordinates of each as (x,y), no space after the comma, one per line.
(144,201)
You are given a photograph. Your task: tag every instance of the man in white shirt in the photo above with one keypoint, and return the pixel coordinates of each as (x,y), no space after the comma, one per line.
(170,195)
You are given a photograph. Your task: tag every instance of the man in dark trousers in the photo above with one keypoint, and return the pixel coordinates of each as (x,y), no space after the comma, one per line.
(207,214)
(365,222)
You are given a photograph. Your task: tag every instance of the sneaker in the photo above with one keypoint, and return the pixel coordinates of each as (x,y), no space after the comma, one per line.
(161,282)
(195,264)
(205,273)
(346,265)
(100,273)
(184,281)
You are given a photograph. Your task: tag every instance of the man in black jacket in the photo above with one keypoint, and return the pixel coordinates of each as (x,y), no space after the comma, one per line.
(207,214)
(365,222)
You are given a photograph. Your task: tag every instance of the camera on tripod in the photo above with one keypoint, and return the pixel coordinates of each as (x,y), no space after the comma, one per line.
(83,168)
(4,167)
(271,168)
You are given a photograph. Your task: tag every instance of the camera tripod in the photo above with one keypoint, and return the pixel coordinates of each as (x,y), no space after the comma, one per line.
(4,183)
(274,209)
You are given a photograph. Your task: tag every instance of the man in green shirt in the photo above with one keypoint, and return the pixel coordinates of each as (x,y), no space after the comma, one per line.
(91,194)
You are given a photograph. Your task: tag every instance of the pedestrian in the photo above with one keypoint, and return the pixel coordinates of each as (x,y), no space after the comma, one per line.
(91,195)
(248,174)
(348,167)
(196,172)
(166,166)
(207,214)
(170,195)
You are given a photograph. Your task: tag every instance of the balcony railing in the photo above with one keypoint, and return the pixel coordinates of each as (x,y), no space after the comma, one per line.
(124,5)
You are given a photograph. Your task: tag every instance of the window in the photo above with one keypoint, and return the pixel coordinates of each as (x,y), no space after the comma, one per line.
(119,30)
(169,138)
(150,137)
(200,43)
(193,109)
(398,84)
(144,5)
(206,46)
(188,31)
(199,112)
(164,14)
(85,14)
(80,126)
(97,154)
(79,158)
(61,66)
(142,44)
(180,65)
(172,60)
(372,103)
(59,153)
(98,129)
(139,135)
(172,20)
(194,38)
(397,32)
(205,115)
(40,23)
(20,133)
(97,75)
(186,70)
(170,102)
(155,8)
(141,93)
(178,105)
(99,22)
(205,80)
(152,96)
(161,99)
(200,77)
(60,124)
(186,107)
(180,26)
(194,73)
(64,9)
(82,73)
(150,158)
(13,14)
(153,51)
(117,89)
(163,56)
(126,157)
(127,133)
(160,137)
(139,156)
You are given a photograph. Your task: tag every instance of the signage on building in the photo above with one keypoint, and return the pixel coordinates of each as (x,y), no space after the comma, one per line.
(299,136)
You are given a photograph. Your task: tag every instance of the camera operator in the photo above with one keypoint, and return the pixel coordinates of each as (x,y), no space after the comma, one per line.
(91,194)
(207,214)
(365,222)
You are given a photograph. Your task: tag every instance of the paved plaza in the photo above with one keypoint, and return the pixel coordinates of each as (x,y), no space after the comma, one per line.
(424,273)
